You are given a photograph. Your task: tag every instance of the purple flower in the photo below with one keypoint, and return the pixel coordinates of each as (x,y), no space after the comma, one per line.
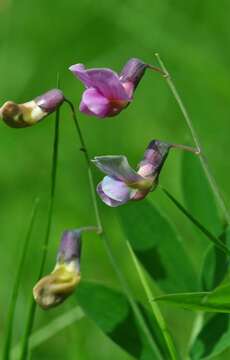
(107,93)
(122,183)
(54,288)
(31,112)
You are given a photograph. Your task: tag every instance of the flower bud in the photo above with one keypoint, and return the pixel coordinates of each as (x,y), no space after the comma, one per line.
(154,158)
(132,73)
(54,288)
(31,112)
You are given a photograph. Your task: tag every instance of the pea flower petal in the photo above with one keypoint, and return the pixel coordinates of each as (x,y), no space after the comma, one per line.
(106,81)
(115,189)
(117,166)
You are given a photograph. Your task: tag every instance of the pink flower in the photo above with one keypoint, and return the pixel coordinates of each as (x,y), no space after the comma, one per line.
(107,93)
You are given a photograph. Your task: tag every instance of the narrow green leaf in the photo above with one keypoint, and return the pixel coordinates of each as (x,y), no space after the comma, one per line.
(217,300)
(112,313)
(157,246)
(156,312)
(199,226)
(198,195)
(18,274)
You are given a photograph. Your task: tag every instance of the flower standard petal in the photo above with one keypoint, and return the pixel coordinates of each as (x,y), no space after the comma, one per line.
(117,166)
(106,81)
(80,72)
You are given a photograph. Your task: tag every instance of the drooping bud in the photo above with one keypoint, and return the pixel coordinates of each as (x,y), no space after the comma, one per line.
(132,73)
(31,112)
(70,248)
(53,289)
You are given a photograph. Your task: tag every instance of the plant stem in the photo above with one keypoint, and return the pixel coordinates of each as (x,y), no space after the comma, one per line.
(32,306)
(186,148)
(155,308)
(107,244)
(203,159)
(14,296)
(201,227)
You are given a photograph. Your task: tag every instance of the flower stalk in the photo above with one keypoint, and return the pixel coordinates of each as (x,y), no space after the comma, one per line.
(203,159)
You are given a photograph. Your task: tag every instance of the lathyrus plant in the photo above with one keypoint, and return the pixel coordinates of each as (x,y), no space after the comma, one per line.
(152,241)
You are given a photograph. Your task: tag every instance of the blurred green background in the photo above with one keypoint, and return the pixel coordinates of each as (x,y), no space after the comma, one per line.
(40,38)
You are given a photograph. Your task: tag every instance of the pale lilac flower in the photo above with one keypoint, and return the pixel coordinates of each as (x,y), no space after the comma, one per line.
(122,183)
(107,93)
(54,288)
(31,112)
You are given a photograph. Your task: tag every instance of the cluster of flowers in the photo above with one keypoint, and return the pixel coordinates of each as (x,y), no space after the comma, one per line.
(106,95)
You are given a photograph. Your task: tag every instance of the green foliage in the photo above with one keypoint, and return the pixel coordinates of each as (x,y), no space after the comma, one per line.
(158,246)
(217,300)
(111,312)
(213,339)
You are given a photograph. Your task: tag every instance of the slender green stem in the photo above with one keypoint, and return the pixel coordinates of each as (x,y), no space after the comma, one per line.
(201,227)
(14,296)
(186,148)
(55,326)
(32,306)
(203,159)
(155,308)
(107,244)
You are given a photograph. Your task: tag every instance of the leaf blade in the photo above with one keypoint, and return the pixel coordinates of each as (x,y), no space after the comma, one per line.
(157,246)
(112,313)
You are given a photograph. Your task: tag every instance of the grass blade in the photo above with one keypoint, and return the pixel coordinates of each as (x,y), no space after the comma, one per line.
(155,308)
(191,218)
(32,306)
(14,296)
